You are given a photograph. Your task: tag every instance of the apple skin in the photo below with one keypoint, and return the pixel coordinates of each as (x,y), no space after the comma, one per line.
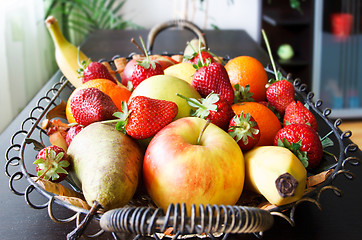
(165,87)
(127,72)
(177,170)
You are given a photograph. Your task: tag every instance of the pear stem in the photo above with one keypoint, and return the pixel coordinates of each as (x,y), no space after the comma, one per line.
(208,121)
(270,53)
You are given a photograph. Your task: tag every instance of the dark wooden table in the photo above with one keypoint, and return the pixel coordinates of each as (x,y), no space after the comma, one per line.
(340,217)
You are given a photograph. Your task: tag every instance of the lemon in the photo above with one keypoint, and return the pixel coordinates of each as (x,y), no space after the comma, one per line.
(183,70)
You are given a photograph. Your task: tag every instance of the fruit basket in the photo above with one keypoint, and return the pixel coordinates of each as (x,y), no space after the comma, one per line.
(140,218)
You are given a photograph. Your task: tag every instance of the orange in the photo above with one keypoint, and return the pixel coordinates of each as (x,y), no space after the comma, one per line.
(117,93)
(246,70)
(268,123)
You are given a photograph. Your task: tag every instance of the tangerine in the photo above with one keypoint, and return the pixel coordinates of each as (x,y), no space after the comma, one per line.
(246,70)
(117,93)
(267,121)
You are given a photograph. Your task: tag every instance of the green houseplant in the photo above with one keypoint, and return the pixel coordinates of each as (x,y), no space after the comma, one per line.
(77,18)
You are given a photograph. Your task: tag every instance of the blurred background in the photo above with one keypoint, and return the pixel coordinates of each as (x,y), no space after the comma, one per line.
(315,40)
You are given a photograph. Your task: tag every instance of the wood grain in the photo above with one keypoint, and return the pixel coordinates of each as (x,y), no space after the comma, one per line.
(355,126)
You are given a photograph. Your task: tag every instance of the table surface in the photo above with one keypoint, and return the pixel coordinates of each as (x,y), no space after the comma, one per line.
(340,217)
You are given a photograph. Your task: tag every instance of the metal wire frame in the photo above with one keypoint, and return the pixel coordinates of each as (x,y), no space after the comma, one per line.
(217,221)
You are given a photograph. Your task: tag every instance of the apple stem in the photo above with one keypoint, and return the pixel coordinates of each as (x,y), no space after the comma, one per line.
(270,53)
(208,121)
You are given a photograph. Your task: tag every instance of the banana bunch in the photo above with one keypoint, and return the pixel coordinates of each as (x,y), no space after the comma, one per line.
(276,173)
(68,56)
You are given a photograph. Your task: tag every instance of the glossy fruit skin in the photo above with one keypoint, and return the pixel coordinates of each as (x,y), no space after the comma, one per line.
(178,170)
(66,54)
(96,70)
(90,105)
(213,78)
(246,70)
(250,131)
(107,163)
(265,164)
(310,142)
(166,88)
(141,73)
(204,55)
(223,115)
(280,94)
(72,132)
(296,112)
(148,116)
(267,121)
(117,93)
(213,108)
(57,150)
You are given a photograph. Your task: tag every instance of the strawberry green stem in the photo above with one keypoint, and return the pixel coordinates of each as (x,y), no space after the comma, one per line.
(138,46)
(194,101)
(327,135)
(144,49)
(45,172)
(270,54)
(201,58)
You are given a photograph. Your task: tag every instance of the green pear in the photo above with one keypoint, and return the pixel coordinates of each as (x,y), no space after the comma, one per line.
(166,87)
(107,164)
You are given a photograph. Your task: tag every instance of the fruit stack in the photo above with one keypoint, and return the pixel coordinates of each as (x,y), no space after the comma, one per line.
(191,130)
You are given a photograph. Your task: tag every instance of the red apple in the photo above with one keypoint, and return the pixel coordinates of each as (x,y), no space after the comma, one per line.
(178,168)
(128,71)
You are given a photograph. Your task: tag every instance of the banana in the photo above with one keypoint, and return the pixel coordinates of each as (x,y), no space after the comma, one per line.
(276,173)
(66,54)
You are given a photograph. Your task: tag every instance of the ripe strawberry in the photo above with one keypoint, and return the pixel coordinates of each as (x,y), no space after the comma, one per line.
(90,105)
(196,57)
(303,141)
(212,77)
(244,129)
(145,69)
(279,94)
(95,70)
(144,116)
(217,109)
(296,112)
(72,132)
(52,163)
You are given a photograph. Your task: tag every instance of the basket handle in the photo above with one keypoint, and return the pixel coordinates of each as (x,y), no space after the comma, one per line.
(209,219)
(181,23)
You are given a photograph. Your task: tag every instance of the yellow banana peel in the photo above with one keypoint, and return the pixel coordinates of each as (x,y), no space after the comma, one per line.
(276,173)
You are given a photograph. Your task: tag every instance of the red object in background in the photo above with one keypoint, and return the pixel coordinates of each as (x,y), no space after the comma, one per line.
(341,25)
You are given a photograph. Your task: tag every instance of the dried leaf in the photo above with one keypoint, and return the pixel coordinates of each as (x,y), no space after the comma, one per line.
(57,111)
(37,145)
(318,178)
(177,58)
(120,64)
(266,206)
(57,139)
(110,70)
(57,188)
(77,202)
(168,231)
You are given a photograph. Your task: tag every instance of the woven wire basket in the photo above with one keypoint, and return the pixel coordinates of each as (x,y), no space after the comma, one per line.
(141,218)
